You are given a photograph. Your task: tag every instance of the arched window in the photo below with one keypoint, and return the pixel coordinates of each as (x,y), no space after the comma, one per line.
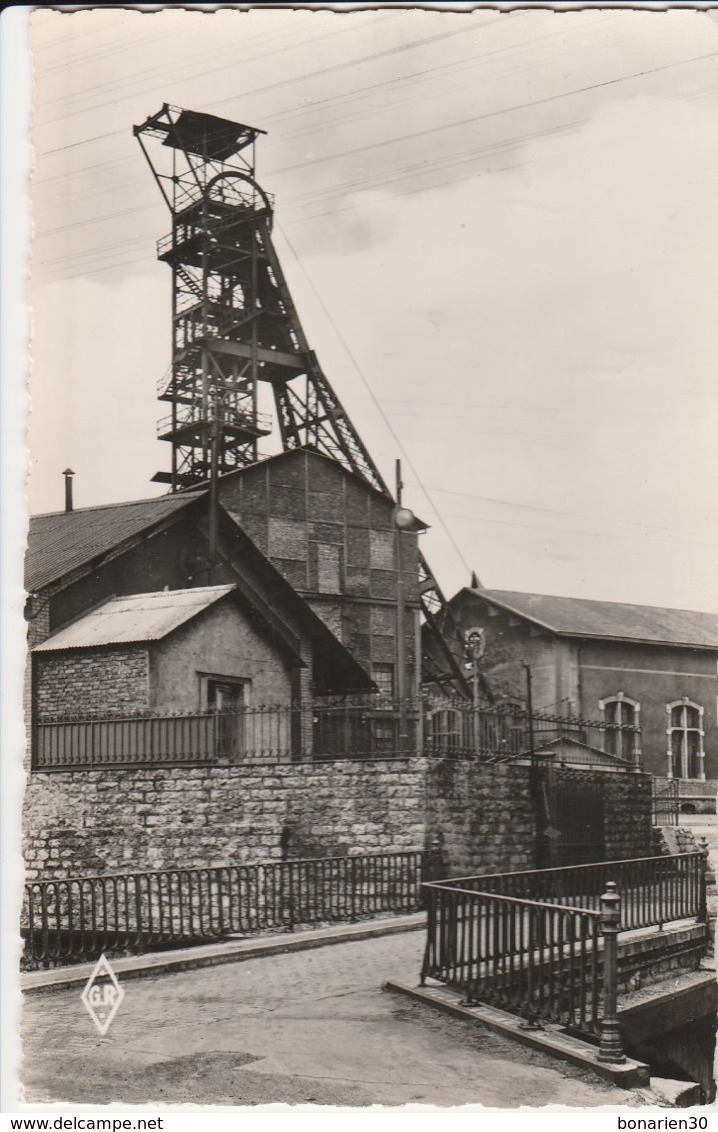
(621,711)
(685,739)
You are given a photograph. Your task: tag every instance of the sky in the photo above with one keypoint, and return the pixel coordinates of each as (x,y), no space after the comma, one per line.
(499,231)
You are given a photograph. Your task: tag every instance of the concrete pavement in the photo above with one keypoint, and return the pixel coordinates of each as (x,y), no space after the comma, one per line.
(301,1027)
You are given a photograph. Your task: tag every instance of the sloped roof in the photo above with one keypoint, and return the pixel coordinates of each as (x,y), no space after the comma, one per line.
(65,540)
(582,617)
(135,618)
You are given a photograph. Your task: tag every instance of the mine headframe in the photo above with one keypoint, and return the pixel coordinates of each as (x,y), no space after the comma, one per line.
(234,325)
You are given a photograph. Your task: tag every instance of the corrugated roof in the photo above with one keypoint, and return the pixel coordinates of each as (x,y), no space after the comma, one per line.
(139,617)
(581,617)
(65,540)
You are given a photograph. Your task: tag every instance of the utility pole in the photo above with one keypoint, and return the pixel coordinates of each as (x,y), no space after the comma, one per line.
(400,615)
(530,708)
(474,648)
(541,779)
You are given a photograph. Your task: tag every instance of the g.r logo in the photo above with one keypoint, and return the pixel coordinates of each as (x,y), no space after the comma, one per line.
(102,995)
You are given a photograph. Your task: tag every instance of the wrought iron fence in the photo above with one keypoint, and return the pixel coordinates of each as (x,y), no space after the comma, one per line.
(535,943)
(79,918)
(362,727)
(460,730)
(665,801)
(654,890)
(333,728)
(524,956)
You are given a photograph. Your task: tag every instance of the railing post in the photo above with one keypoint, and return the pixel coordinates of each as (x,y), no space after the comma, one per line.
(702,916)
(611,1045)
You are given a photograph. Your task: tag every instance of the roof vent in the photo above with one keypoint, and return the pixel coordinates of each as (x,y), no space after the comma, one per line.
(68,474)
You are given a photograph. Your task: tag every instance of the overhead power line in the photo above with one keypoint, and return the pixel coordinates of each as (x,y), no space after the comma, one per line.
(617,535)
(612,519)
(380,410)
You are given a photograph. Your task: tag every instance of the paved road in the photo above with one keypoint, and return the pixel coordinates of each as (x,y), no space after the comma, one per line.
(310,1026)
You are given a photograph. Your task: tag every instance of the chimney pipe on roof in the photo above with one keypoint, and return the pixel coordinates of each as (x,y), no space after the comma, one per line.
(68,474)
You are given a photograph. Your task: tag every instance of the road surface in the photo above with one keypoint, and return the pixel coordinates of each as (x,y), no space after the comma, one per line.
(308,1026)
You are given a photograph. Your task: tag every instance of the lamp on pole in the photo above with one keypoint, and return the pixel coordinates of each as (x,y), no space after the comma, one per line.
(404,519)
(474,648)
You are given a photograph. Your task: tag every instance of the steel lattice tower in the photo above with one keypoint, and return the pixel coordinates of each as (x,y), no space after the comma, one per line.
(234,325)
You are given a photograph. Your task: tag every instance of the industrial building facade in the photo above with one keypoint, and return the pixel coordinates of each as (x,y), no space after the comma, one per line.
(652,668)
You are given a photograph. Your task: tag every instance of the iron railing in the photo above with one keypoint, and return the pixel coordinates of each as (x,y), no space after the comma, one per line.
(654,890)
(260,734)
(534,943)
(524,956)
(228,416)
(460,730)
(78,918)
(363,727)
(665,801)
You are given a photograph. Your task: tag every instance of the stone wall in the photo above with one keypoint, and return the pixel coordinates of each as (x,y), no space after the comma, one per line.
(474,818)
(480,818)
(628,814)
(112,681)
(110,821)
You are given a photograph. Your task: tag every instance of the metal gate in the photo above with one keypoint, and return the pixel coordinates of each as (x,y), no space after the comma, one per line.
(665,800)
(578,819)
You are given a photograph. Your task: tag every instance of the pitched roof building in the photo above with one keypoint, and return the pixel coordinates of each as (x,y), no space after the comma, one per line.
(618,663)
(80,560)
(611,620)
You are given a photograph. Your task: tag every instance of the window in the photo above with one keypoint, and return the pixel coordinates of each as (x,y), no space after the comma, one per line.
(685,739)
(227,697)
(383,676)
(620,711)
(224,694)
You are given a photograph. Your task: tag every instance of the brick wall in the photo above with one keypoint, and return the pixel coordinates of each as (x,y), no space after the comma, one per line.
(37,614)
(653,676)
(511,644)
(332,537)
(112,680)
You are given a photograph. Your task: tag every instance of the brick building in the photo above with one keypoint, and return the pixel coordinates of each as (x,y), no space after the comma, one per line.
(147,620)
(77,560)
(636,665)
(311,554)
(333,538)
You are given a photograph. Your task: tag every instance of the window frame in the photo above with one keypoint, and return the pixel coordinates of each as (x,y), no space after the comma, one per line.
(686,702)
(230,726)
(633,740)
(389,669)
